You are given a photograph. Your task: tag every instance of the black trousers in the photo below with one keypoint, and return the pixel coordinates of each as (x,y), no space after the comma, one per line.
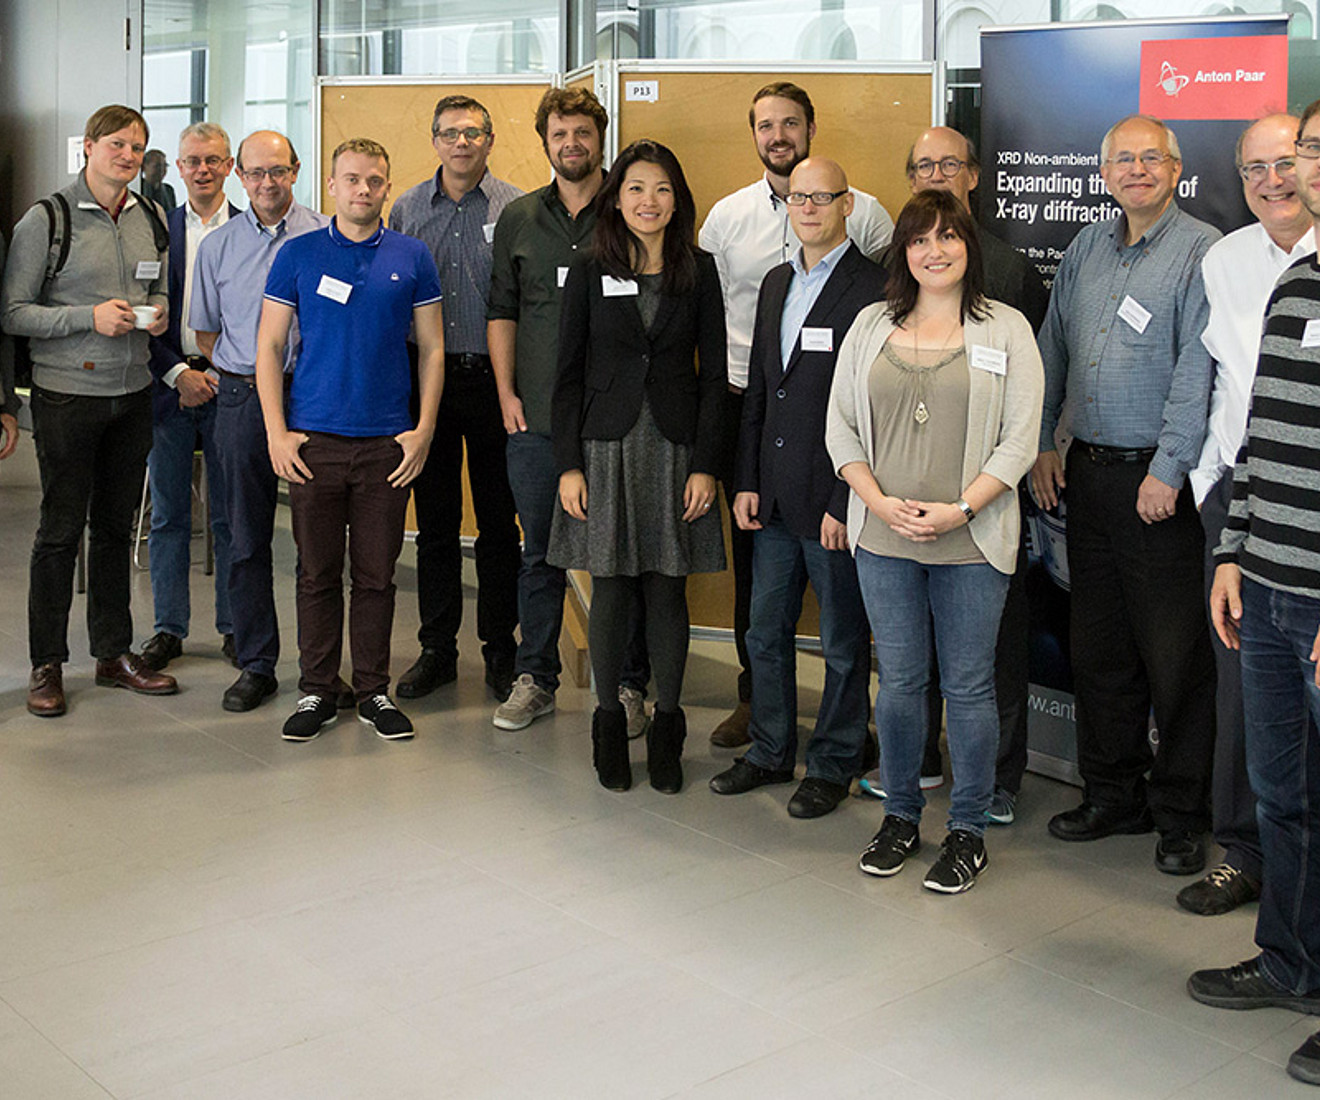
(1139,642)
(1231,798)
(469,414)
(741,544)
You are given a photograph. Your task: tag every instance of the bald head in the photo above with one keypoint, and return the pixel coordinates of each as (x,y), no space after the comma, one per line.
(268,167)
(268,143)
(941,159)
(1266,159)
(820,226)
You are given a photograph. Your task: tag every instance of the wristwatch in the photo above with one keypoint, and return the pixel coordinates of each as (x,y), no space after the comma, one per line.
(966,509)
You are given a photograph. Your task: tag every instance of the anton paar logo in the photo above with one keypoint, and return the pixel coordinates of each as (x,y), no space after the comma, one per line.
(1171,80)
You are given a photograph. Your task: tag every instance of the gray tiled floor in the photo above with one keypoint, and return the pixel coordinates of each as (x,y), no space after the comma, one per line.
(191,908)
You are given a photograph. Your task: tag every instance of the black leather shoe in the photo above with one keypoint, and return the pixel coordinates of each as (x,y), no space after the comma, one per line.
(745,776)
(499,674)
(1221,891)
(161,649)
(1247,986)
(816,797)
(428,672)
(1091,822)
(1305,1061)
(1179,852)
(229,650)
(249,691)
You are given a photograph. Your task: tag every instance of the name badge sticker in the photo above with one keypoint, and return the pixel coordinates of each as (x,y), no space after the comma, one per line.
(561,276)
(1311,334)
(1134,313)
(147,270)
(488,231)
(992,359)
(611,287)
(817,339)
(335,289)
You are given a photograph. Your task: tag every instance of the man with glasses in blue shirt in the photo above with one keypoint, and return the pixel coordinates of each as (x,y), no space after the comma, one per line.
(232,264)
(1122,346)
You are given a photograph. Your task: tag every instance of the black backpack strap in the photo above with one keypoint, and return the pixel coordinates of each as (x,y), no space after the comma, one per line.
(159,230)
(57,233)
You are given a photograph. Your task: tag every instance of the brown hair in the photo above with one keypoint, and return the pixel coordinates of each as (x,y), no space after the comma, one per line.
(783,89)
(924,212)
(570,101)
(460,103)
(113,118)
(365,146)
(1311,111)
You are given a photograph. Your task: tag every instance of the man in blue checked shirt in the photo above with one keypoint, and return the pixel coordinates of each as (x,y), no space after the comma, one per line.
(1122,347)
(349,446)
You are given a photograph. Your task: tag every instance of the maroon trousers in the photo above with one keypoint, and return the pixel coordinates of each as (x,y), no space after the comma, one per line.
(350,490)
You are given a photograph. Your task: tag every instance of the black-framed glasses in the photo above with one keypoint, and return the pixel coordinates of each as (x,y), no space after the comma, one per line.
(818,198)
(1309,148)
(256,175)
(1150,160)
(1258,170)
(193,163)
(474,134)
(948,166)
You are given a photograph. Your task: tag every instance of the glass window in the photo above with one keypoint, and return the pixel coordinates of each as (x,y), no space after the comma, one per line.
(431,37)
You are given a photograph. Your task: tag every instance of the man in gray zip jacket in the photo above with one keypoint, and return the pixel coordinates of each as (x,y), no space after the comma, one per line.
(91,402)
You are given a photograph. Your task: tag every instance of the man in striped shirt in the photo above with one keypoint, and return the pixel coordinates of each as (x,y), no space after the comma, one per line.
(1266,602)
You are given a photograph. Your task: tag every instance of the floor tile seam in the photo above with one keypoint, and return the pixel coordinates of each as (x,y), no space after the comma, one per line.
(55,1046)
(721,840)
(1232,1050)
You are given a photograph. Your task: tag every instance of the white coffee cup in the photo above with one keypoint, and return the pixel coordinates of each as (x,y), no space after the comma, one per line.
(145,316)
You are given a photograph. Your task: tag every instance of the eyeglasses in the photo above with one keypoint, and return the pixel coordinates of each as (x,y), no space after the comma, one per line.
(193,163)
(256,175)
(818,198)
(1309,148)
(1258,170)
(472,133)
(1150,159)
(948,166)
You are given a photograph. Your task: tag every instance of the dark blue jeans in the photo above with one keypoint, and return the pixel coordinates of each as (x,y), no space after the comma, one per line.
(782,563)
(174,440)
(964,603)
(92,453)
(250,490)
(1283,759)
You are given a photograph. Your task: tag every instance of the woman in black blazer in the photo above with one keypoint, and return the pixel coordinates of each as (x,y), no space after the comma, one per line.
(636,429)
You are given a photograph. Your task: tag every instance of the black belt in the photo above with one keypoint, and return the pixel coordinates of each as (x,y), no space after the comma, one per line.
(466,360)
(248,379)
(1112,456)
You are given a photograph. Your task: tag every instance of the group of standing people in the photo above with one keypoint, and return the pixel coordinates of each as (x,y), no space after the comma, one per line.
(874,398)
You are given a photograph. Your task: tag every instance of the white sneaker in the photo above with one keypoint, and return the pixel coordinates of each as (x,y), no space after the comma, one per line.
(634,706)
(525,704)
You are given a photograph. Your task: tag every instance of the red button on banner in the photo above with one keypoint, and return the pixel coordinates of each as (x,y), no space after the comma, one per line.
(1214,78)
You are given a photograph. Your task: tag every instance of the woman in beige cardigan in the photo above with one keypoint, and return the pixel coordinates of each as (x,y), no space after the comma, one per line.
(934,416)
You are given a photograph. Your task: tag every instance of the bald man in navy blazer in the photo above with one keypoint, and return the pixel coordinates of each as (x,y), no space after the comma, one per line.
(789,495)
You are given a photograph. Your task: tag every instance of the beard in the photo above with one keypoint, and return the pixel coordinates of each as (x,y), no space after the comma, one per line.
(577,173)
(786,169)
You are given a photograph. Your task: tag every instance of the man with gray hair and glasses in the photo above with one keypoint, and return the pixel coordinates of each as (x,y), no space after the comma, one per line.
(183,408)
(454,214)
(228,287)
(1122,347)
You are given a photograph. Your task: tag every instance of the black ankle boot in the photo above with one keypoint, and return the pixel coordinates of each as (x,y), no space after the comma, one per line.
(664,750)
(609,749)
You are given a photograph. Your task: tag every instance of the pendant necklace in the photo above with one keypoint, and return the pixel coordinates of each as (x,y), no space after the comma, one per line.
(921,414)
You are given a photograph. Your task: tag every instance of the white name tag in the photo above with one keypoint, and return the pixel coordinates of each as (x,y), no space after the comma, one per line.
(1311,335)
(1135,314)
(562,276)
(147,270)
(611,287)
(817,339)
(992,359)
(488,230)
(335,289)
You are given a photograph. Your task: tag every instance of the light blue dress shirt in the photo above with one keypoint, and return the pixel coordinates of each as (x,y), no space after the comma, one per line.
(803,290)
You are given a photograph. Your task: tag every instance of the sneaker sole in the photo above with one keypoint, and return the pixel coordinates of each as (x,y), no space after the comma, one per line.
(961,888)
(1000,819)
(301,738)
(931,782)
(402,735)
(515,724)
(1305,1005)
(871,790)
(878,872)
(1306,1070)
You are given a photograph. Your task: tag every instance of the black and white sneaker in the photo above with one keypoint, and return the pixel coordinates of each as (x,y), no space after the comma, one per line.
(312,714)
(962,857)
(389,721)
(890,847)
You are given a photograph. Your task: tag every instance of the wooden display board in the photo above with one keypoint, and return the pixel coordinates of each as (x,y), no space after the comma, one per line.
(865,121)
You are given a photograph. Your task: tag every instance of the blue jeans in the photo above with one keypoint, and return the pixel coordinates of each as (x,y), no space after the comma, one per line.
(1282,707)
(250,491)
(171,465)
(964,602)
(782,563)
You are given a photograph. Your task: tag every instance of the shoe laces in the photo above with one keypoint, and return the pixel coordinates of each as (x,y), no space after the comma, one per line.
(307,703)
(1222,875)
(382,702)
(523,693)
(961,846)
(891,832)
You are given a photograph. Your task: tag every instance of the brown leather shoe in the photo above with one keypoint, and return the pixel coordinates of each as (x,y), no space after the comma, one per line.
(46,691)
(128,671)
(732,732)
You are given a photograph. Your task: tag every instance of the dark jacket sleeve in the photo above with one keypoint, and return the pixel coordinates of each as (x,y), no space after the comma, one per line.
(8,398)
(571,372)
(713,374)
(747,471)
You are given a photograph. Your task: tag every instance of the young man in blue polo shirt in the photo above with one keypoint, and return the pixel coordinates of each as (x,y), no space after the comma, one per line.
(348,447)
